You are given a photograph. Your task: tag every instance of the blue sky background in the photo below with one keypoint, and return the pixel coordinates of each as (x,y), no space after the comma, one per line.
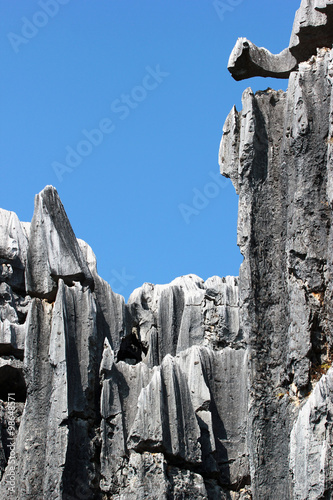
(127,197)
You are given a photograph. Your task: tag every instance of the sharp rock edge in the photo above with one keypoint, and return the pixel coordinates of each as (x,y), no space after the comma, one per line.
(312,29)
(216,389)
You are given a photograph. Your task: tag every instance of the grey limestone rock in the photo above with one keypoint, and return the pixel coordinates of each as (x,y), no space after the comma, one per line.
(119,400)
(53,250)
(110,305)
(247,60)
(165,419)
(312,29)
(311,443)
(277,152)
(216,389)
(168,319)
(13,250)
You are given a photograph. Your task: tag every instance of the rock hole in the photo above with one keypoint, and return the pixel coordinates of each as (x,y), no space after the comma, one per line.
(12,382)
(131,350)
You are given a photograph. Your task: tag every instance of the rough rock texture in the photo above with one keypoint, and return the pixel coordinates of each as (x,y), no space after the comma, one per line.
(216,389)
(53,250)
(311,443)
(278,153)
(313,28)
(143,400)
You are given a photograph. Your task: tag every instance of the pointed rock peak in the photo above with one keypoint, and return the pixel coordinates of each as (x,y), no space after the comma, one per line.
(13,250)
(53,250)
(49,199)
(49,189)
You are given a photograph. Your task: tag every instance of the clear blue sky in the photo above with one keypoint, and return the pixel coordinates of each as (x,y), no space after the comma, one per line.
(151,76)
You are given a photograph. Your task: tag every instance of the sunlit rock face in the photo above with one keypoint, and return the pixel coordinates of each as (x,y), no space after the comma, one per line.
(278,153)
(216,389)
(312,29)
(112,400)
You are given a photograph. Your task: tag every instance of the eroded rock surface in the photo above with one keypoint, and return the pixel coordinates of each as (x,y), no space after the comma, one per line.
(278,153)
(311,459)
(216,389)
(120,400)
(312,29)
(53,250)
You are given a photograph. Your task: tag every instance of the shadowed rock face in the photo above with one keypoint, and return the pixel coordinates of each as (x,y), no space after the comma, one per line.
(216,389)
(313,28)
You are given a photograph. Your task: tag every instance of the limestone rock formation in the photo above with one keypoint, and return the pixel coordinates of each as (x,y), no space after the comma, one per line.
(115,400)
(53,250)
(311,443)
(313,28)
(278,153)
(216,389)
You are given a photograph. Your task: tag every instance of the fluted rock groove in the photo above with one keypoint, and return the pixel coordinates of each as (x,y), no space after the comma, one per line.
(216,389)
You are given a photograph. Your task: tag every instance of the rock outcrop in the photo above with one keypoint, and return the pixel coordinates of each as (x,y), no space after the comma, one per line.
(115,400)
(216,389)
(278,153)
(313,28)
(53,250)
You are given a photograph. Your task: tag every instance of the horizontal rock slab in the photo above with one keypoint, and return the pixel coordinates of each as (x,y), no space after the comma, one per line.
(312,29)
